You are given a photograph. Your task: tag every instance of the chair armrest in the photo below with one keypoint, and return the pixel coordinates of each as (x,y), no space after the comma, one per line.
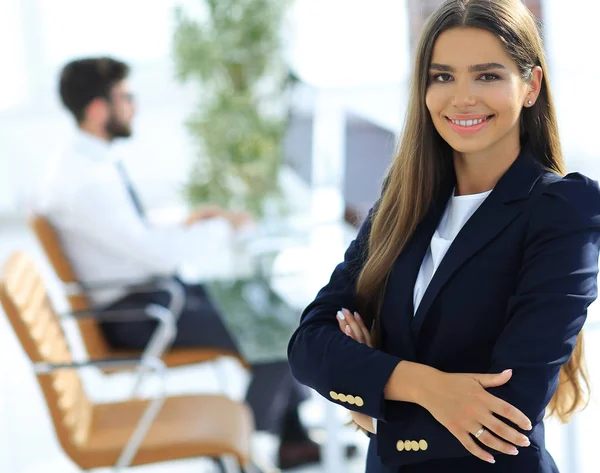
(106,315)
(147,418)
(162,337)
(77,287)
(47,368)
(172,286)
(164,334)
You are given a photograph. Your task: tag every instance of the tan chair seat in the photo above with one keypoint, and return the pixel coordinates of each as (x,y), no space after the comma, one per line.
(187,426)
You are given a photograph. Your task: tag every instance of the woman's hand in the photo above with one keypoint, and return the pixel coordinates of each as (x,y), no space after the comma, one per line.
(353,326)
(458,401)
(363,421)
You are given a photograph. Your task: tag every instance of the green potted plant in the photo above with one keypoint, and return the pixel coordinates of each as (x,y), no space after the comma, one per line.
(234,55)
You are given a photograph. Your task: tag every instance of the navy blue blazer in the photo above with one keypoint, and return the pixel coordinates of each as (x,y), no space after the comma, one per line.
(512,292)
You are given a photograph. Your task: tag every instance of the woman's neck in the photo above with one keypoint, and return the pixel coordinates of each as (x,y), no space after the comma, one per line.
(480,172)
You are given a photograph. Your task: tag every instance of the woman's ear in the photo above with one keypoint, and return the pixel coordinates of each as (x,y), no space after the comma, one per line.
(535,85)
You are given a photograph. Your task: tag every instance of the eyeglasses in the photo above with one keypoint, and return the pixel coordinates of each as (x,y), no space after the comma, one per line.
(128,96)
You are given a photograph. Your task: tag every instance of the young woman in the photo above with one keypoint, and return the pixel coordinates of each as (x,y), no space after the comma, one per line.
(473,271)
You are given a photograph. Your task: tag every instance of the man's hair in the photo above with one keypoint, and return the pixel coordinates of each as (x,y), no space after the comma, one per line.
(86,79)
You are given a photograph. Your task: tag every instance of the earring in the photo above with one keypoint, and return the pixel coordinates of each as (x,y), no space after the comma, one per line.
(529,102)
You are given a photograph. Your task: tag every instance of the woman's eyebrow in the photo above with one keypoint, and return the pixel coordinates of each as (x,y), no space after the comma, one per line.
(474,68)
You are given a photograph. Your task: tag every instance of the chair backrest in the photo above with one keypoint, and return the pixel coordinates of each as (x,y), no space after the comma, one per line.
(28,308)
(92,335)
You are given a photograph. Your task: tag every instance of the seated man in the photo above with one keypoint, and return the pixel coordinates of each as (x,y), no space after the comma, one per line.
(105,233)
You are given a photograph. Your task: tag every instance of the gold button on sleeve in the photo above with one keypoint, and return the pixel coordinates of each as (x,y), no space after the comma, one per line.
(423,445)
(350,399)
(400,446)
(342,398)
(333,395)
(415,445)
(358,401)
(407,445)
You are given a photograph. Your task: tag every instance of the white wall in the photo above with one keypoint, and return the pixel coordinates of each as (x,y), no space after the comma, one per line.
(331,43)
(572,40)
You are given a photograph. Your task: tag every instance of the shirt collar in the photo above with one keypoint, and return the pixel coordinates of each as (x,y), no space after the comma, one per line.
(92,146)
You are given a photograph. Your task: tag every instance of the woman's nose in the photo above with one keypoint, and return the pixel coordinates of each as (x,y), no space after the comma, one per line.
(463,96)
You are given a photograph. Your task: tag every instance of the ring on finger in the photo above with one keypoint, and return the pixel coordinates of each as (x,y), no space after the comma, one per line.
(479,432)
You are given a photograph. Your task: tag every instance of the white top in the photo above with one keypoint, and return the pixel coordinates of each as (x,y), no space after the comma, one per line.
(459,210)
(87,201)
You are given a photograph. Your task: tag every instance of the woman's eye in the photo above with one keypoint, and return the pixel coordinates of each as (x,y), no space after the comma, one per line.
(442,78)
(489,77)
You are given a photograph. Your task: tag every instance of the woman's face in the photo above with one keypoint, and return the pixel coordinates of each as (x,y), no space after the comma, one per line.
(475,92)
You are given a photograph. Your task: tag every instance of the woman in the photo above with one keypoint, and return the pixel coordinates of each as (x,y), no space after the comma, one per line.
(474,270)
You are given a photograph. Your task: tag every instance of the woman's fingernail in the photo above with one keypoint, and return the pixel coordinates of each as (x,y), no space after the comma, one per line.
(348,330)
(513,451)
(357,316)
(491,460)
(507,371)
(340,315)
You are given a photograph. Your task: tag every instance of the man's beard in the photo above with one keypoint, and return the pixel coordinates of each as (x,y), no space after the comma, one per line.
(117,129)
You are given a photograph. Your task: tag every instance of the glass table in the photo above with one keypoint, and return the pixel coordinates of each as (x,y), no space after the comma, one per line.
(260,320)
(262,306)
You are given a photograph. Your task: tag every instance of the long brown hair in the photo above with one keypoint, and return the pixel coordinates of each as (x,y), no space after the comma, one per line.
(424,159)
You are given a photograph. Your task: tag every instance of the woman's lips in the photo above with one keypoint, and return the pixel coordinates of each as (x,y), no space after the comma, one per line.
(466,125)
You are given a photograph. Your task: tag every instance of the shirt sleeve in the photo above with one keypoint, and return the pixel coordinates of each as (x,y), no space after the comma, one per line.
(102,212)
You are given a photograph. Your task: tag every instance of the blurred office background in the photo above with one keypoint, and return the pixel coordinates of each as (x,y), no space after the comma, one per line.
(352,58)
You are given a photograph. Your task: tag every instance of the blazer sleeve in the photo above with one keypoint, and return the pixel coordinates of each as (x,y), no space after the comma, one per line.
(557,283)
(322,357)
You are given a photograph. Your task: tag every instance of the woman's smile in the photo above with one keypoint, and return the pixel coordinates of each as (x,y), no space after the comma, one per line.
(469,124)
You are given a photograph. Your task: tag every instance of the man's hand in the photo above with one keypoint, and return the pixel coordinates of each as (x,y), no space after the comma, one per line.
(203,213)
(236,219)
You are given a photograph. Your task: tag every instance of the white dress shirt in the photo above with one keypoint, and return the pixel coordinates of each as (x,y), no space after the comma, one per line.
(100,229)
(459,210)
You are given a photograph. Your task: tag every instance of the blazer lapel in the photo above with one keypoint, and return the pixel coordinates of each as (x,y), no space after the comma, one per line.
(498,211)
(398,308)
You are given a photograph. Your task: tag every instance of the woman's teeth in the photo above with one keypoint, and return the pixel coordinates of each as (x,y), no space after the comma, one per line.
(468,122)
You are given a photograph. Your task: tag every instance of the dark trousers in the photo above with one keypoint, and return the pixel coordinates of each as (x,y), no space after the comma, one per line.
(272,393)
